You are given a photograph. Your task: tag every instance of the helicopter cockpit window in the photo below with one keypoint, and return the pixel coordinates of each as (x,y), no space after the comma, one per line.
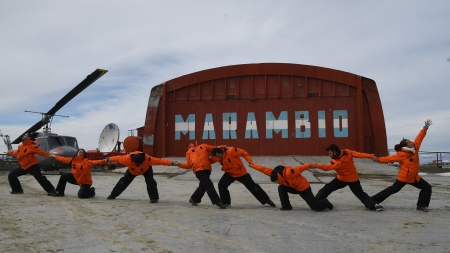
(71,142)
(54,142)
(42,143)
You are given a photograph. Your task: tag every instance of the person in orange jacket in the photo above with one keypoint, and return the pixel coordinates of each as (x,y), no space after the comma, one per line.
(138,163)
(29,164)
(197,159)
(80,174)
(229,158)
(408,157)
(291,180)
(342,163)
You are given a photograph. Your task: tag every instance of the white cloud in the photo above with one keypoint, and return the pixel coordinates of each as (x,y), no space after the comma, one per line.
(47,47)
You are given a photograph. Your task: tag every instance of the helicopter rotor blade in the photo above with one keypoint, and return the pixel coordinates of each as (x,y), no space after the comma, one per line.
(90,79)
(79,88)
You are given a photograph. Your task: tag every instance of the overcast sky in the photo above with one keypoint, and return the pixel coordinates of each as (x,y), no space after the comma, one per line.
(48,47)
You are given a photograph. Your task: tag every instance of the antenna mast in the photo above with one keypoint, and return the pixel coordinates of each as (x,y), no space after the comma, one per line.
(6,140)
(47,120)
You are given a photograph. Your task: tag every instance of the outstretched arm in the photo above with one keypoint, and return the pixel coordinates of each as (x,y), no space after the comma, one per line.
(389,159)
(12,152)
(37,150)
(418,140)
(299,169)
(162,161)
(359,154)
(97,162)
(186,166)
(262,169)
(331,166)
(62,158)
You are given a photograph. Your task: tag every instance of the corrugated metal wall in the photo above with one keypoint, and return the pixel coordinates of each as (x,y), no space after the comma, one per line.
(267,109)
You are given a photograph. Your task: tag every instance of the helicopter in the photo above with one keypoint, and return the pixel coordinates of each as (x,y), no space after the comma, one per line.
(51,142)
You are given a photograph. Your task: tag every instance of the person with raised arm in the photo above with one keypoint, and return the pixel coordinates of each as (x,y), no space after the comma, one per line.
(407,155)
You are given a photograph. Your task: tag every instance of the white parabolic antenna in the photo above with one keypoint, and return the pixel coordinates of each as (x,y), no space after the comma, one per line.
(108,138)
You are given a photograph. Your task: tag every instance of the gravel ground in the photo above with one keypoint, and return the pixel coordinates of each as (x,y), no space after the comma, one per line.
(35,222)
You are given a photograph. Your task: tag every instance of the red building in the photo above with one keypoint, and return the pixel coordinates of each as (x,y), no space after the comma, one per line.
(266,109)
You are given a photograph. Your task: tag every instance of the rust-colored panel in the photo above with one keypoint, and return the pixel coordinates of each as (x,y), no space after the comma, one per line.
(374,114)
(246,87)
(267,109)
(313,87)
(220,89)
(207,91)
(300,86)
(259,86)
(272,86)
(286,86)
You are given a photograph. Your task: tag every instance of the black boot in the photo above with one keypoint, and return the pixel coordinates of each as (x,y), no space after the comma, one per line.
(58,194)
(92,192)
(221,205)
(192,202)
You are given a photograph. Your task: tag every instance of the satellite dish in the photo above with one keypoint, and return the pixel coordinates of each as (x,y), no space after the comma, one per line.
(108,138)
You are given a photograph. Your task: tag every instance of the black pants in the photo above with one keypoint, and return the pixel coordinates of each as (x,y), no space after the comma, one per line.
(247,181)
(35,171)
(355,187)
(85,189)
(205,185)
(307,195)
(424,195)
(124,182)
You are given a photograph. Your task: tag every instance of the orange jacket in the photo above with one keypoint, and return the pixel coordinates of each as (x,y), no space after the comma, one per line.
(409,162)
(292,176)
(26,154)
(197,158)
(139,170)
(344,165)
(231,161)
(81,167)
